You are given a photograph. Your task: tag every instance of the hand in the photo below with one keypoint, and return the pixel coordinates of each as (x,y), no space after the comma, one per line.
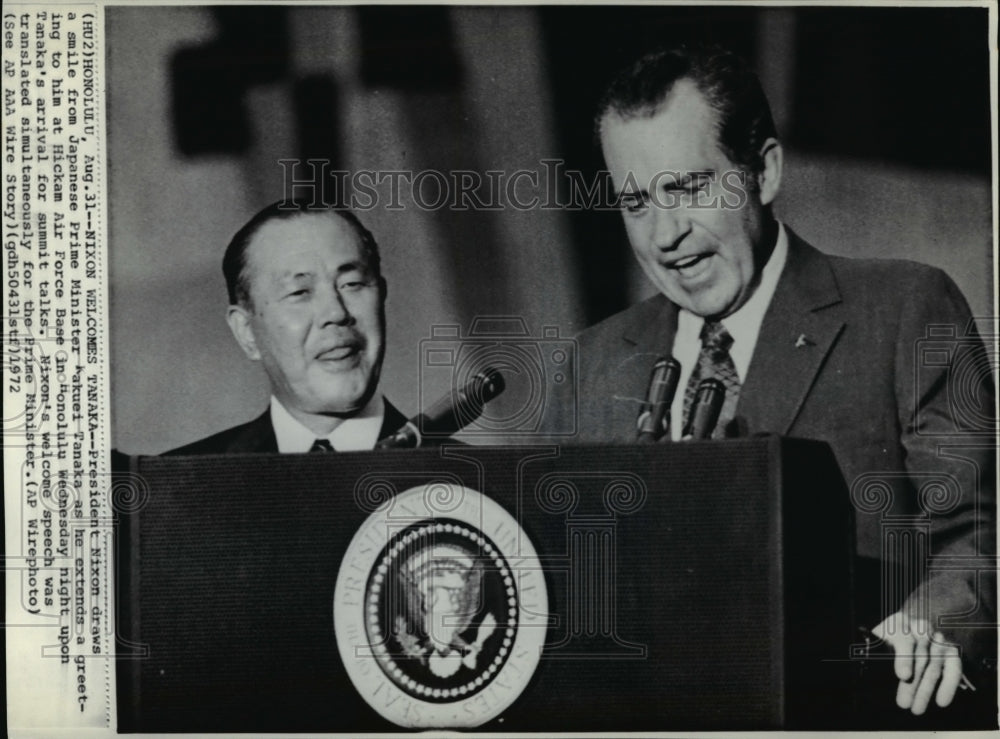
(924,661)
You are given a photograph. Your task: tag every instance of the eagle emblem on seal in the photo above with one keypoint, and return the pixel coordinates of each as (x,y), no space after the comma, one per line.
(442,590)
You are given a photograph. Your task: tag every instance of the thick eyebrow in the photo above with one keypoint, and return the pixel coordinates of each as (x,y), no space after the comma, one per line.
(619,191)
(695,176)
(353,265)
(683,180)
(640,194)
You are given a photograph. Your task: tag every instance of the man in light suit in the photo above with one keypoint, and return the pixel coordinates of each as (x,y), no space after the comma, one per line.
(806,344)
(307,301)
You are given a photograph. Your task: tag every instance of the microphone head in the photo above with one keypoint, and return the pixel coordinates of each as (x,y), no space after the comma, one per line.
(462,406)
(487,384)
(666,375)
(449,414)
(654,415)
(706,409)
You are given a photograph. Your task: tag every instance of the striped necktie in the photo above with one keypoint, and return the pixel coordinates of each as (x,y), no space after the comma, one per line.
(321,445)
(714,361)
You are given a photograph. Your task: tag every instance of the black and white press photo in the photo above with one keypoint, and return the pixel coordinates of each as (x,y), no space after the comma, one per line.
(502,368)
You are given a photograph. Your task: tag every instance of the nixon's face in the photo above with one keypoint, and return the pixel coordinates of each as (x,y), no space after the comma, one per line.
(693,219)
(316,320)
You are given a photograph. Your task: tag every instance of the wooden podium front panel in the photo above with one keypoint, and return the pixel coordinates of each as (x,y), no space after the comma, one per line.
(695,586)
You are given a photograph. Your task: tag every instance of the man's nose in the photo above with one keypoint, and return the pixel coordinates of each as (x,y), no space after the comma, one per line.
(332,308)
(670,225)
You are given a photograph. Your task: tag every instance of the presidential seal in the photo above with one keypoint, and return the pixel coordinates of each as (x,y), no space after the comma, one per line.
(440,608)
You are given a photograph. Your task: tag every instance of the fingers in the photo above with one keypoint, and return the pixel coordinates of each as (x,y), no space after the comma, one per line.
(895,631)
(929,678)
(951,675)
(904,645)
(926,667)
(918,648)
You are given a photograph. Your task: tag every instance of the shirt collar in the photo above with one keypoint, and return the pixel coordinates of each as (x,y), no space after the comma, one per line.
(744,324)
(357,433)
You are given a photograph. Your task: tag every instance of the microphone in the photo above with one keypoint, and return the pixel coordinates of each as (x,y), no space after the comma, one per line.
(450,413)
(662,387)
(706,409)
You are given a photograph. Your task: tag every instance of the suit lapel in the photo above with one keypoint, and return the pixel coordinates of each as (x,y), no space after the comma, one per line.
(392,421)
(800,328)
(256,436)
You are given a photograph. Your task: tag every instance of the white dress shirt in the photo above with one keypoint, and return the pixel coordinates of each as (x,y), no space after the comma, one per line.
(743,326)
(358,433)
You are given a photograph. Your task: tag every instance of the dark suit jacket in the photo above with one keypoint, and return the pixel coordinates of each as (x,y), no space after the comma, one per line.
(257,436)
(839,359)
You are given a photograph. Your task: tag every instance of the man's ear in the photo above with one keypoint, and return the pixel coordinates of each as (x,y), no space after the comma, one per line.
(769,181)
(238,318)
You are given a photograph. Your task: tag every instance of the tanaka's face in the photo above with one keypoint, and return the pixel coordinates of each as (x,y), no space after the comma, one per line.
(694,220)
(317,321)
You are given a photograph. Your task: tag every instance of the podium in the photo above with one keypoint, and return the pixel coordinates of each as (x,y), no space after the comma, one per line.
(695,586)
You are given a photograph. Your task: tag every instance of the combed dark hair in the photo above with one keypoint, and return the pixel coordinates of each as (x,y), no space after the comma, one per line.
(730,87)
(234,262)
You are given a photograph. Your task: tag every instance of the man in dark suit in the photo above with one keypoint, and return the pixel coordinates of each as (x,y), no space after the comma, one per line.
(307,301)
(805,344)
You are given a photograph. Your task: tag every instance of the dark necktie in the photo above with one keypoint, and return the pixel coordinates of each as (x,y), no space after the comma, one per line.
(714,361)
(321,445)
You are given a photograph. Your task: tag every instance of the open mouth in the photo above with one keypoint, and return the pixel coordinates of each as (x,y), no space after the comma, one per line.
(691,265)
(339,353)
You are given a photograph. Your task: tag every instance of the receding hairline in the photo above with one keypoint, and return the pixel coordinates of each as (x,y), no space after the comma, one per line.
(296,215)
(279,220)
(235,263)
(668,98)
(729,85)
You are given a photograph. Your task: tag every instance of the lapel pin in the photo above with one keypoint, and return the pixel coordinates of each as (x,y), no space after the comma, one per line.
(803,340)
